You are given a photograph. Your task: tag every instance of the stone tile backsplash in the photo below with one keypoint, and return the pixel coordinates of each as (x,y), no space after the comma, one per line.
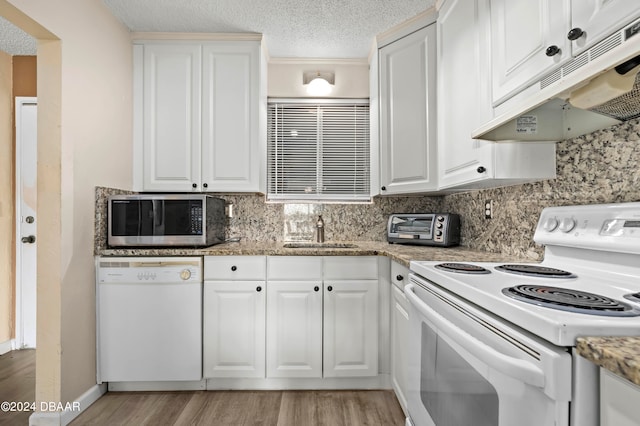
(601,167)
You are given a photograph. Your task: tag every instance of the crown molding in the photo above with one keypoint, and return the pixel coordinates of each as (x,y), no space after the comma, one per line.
(137,36)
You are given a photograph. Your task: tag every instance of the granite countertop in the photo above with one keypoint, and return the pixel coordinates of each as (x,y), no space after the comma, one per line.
(620,355)
(402,254)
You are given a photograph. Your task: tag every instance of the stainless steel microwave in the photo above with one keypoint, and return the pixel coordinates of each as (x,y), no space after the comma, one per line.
(158,220)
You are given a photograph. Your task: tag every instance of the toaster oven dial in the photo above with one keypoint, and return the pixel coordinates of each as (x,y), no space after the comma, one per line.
(440,218)
(438,233)
(439,225)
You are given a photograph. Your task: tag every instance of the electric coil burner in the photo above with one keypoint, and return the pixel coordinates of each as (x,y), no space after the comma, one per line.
(462,268)
(635,297)
(570,300)
(535,271)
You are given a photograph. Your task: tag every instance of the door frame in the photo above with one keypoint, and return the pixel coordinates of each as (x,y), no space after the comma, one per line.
(20,101)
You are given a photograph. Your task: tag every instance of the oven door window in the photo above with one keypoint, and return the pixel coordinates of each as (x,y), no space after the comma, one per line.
(452,391)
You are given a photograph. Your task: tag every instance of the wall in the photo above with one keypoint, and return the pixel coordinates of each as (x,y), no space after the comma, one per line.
(285,77)
(6,203)
(84,89)
(25,75)
(601,167)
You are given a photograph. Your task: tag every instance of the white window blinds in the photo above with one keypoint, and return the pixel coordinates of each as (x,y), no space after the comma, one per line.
(318,151)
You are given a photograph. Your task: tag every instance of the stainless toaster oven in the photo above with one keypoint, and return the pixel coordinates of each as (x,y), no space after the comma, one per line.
(429,229)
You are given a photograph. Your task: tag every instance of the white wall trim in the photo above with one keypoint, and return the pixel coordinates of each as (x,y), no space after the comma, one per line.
(143,36)
(319,61)
(7,346)
(63,418)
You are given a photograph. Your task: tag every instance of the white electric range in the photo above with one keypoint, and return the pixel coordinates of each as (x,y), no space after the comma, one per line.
(488,333)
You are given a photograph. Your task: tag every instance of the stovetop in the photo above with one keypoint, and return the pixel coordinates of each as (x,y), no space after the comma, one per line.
(592,256)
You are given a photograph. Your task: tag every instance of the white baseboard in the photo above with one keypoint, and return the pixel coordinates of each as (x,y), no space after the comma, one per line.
(7,346)
(157,386)
(71,411)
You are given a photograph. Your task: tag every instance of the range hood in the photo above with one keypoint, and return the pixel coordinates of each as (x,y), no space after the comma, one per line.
(597,89)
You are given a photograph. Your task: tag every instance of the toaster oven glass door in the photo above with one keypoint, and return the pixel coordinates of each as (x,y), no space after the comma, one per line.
(415,226)
(156,217)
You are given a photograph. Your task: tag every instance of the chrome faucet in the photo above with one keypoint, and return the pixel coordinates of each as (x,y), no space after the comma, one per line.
(320,230)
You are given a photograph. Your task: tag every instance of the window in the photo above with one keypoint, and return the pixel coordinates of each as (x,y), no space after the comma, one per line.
(318,150)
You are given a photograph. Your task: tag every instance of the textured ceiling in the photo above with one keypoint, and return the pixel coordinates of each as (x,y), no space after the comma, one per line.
(14,41)
(292,28)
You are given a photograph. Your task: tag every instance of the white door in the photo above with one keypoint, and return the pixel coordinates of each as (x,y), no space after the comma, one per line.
(407,114)
(294,329)
(26,223)
(234,329)
(351,328)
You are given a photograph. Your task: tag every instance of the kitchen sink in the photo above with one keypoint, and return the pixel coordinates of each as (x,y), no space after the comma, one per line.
(320,245)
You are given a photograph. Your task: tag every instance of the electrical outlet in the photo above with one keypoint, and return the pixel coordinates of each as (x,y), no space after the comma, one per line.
(488,209)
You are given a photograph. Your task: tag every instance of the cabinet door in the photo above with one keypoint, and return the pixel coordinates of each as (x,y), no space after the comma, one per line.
(294,329)
(464,101)
(599,18)
(171,117)
(230,125)
(407,114)
(351,328)
(234,329)
(521,33)
(399,341)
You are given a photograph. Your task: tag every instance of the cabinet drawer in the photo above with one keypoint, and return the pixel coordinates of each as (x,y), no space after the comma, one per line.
(235,267)
(399,275)
(294,268)
(351,268)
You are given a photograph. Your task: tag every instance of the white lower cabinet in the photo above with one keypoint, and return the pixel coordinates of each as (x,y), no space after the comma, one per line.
(318,327)
(234,317)
(294,329)
(350,331)
(283,317)
(399,332)
(234,329)
(619,400)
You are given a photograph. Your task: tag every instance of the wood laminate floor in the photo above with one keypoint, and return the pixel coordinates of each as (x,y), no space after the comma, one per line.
(243,408)
(17,383)
(215,408)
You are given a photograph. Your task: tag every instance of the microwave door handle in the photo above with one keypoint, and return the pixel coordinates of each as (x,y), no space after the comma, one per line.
(158,214)
(518,369)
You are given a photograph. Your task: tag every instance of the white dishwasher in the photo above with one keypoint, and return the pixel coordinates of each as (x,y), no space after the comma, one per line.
(149,319)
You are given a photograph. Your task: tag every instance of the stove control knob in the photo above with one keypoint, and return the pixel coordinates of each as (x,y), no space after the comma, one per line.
(550,224)
(567,224)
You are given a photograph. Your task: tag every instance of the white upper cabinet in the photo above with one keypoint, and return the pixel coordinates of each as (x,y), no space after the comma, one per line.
(171,98)
(231,159)
(593,20)
(464,102)
(528,38)
(199,116)
(407,99)
(531,38)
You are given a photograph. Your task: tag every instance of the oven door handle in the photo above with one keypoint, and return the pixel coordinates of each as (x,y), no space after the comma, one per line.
(516,368)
